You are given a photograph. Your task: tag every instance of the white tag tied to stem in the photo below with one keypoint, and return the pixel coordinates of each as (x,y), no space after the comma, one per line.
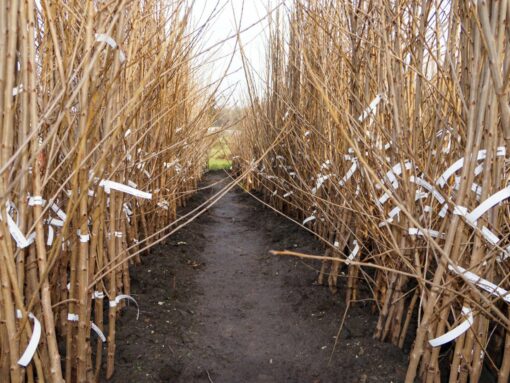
(504,255)
(392,177)
(460,210)
(354,253)
(17,90)
(75,318)
(489,203)
(326,164)
(320,180)
(98,331)
(481,283)
(457,331)
(51,236)
(36,201)
(426,232)
(55,222)
(288,194)
(59,212)
(27,356)
(84,238)
(350,172)
(20,239)
(128,132)
(109,185)
(424,184)
(396,170)
(371,108)
(443,211)
(104,38)
(118,234)
(98,295)
(120,297)
(309,219)
(396,210)
(127,211)
(163,204)
(457,165)
(490,236)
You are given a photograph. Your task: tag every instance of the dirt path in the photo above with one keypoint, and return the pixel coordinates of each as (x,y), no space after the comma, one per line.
(216,307)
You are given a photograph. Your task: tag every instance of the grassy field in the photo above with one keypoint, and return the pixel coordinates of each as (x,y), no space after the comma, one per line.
(219,155)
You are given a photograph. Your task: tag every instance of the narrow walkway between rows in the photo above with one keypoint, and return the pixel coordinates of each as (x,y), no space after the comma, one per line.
(217,307)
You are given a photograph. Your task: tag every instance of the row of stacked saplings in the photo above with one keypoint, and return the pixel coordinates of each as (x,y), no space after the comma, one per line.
(384,130)
(102,128)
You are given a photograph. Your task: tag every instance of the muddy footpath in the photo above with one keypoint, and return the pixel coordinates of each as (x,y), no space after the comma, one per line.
(217,307)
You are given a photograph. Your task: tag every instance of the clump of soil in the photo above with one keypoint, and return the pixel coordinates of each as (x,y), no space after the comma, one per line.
(217,307)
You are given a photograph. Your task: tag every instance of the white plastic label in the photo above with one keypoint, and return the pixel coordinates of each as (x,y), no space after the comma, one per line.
(120,297)
(457,331)
(27,356)
(482,283)
(109,185)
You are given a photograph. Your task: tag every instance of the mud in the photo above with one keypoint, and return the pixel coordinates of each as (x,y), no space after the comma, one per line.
(215,306)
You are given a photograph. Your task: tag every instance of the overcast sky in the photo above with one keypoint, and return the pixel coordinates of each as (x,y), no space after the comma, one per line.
(224,25)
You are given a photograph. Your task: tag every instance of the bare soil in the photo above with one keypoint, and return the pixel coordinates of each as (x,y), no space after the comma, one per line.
(215,306)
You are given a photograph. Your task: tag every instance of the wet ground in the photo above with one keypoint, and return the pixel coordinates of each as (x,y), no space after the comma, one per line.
(215,306)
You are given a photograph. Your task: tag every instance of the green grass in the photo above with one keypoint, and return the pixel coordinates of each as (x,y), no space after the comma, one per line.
(219,156)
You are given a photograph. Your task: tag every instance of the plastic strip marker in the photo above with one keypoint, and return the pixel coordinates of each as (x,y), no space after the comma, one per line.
(482,283)
(104,38)
(27,356)
(457,331)
(121,297)
(109,185)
